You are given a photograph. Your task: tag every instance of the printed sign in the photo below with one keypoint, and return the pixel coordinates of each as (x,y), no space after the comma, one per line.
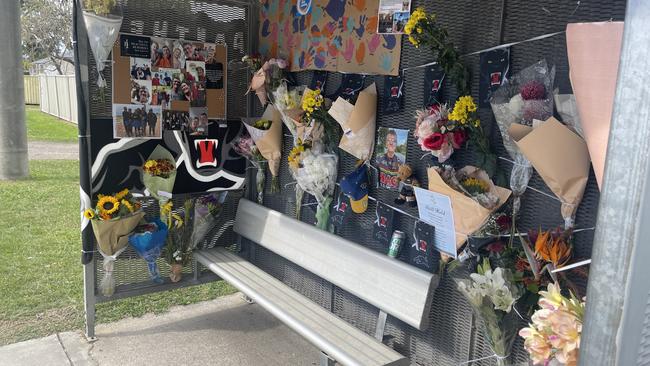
(435,209)
(433,79)
(382,230)
(135,46)
(393,101)
(421,249)
(495,66)
(340,210)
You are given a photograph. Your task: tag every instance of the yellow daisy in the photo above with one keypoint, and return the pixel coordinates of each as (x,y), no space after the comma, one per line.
(128,205)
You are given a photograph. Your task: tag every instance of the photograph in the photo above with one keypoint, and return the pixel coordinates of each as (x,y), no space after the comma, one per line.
(140,68)
(390,153)
(198,121)
(161,52)
(399,21)
(161,95)
(195,71)
(164,76)
(193,51)
(393,16)
(141,91)
(181,90)
(135,121)
(175,120)
(178,55)
(210,53)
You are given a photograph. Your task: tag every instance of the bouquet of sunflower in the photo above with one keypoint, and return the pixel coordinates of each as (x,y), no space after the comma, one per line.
(113,219)
(159,174)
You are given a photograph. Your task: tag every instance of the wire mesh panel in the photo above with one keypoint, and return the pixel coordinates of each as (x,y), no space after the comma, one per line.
(455,335)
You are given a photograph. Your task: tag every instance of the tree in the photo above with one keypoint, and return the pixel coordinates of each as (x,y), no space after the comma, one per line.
(47,30)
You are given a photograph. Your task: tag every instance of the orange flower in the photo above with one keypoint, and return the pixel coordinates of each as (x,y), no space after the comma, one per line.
(553,250)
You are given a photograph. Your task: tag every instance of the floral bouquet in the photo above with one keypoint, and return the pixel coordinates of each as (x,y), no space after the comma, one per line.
(258,81)
(288,103)
(315,173)
(275,69)
(148,240)
(550,250)
(266,132)
(436,133)
(206,211)
(245,146)
(159,174)
(492,294)
(113,218)
(177,252)
(554,333)
(522,98)
(473,196)
(465,115)
(103,26)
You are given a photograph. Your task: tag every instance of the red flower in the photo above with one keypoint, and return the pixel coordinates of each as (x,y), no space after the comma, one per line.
(496,247)
(533,90)
(434,108)
(458,138)
(504,222)
(434,142)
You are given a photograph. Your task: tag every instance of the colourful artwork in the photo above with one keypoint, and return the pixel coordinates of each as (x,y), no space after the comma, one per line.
(336,35)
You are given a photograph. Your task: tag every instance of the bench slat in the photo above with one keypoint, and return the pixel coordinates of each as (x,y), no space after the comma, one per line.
(397,288)
(340,340)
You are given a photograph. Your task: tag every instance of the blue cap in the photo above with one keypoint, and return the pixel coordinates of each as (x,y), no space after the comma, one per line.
(355,186)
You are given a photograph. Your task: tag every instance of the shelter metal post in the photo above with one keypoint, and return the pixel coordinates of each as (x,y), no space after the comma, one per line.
(617,294)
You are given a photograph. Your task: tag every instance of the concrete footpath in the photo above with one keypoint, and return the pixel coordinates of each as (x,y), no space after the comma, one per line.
(225,331)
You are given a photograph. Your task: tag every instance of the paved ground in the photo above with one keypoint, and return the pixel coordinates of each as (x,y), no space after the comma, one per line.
(226,331)
(44,150)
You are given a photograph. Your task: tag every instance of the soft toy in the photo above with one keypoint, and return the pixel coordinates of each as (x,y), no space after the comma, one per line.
(407,180)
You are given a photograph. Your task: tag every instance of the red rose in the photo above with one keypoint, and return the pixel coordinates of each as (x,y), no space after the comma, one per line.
(504,222)
(434,142)
(434,108)
(458,138)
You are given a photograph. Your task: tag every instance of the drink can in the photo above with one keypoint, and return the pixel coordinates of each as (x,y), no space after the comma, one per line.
(396,242)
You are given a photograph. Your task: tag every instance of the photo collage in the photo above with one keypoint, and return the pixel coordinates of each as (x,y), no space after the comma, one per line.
(169,86)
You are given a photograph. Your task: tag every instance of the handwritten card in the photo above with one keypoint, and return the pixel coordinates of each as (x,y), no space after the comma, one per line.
(435,209)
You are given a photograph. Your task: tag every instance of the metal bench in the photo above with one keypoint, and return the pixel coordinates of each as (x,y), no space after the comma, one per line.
(394,287)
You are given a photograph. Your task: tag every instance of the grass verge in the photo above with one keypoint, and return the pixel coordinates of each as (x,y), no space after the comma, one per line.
(44,127)
(42,283)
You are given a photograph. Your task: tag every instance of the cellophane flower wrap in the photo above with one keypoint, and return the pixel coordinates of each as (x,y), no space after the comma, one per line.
(525,96)
(148,241)
(266,132)
(102,29)
(258,77)
(245,146)
(113,219)
(177,251)
(492,295)
(207,210)
(288,103)
(159,174)
(315,173)
(555,329)
(436,134)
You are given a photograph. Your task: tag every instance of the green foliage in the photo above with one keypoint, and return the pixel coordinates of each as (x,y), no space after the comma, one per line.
(99,7)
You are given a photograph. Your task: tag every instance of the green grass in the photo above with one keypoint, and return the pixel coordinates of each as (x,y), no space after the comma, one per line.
(44,127)
(42,283)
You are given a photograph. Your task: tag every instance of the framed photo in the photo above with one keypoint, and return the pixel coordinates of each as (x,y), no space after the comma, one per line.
(390,153)
(137,121)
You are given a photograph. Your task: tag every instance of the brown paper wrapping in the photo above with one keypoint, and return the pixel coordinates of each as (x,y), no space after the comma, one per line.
(560,157)
(269,142)
(358,122)
(113,235)
(469,215)
(594,50)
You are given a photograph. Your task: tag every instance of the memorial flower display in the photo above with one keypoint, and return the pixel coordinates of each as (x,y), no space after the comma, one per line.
(148,240)
(113,218)
(437,134)
(266,133)
(492,294)
(177,251)
(159,174)
(555,328)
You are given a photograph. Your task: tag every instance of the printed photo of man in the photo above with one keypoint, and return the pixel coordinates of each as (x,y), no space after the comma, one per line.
(390,154)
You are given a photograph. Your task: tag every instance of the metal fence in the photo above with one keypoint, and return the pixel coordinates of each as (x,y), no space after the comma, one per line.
(32,89)
(58,95)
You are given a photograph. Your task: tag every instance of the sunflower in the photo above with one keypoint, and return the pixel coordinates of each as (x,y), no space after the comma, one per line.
(127,204)
(108,205)
(123,193)
(89,214)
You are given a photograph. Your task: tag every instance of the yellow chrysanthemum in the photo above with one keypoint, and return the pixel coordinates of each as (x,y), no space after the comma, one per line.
(108,205)
(294,156)
(89,214)
(121,194)
(128,205)
(462,109)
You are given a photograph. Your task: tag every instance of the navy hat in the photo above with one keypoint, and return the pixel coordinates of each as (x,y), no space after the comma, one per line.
(355,186)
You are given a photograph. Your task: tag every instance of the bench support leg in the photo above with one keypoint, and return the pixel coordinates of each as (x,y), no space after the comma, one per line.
(326,360)
(247,299)
(381,325)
